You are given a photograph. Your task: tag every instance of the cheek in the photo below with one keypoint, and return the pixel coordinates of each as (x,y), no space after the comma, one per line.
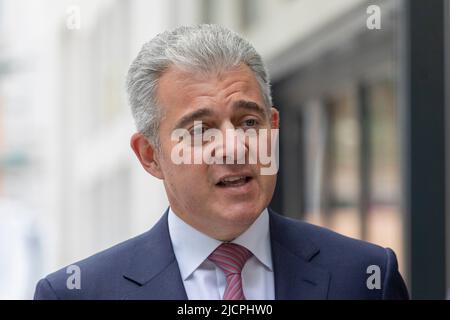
(183,183)
(189,179)
(268,183)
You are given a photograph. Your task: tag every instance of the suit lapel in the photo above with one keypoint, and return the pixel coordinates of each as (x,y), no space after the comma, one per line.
(154,268)
(295,276)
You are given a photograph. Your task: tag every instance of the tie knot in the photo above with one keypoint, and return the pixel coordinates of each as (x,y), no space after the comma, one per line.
(230,257)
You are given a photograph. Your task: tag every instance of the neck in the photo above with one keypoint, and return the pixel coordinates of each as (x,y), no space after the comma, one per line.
(224,232)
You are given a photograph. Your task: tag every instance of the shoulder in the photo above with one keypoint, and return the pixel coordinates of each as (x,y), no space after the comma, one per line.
(350,262)
(295,233)
(96,274)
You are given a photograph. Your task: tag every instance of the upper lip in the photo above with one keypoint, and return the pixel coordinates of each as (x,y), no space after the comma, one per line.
(231,175)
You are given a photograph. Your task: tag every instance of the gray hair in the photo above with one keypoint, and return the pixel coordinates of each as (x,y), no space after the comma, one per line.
(203,48)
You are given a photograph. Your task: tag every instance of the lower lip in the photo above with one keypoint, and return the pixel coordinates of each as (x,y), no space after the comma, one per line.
(244,188)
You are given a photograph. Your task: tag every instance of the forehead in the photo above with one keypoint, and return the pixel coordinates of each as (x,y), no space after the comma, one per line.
(180,88)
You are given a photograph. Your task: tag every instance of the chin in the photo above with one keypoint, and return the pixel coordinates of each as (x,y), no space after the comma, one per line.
(244,213)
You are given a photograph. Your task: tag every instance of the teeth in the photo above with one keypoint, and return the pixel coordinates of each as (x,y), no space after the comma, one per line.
(232,179)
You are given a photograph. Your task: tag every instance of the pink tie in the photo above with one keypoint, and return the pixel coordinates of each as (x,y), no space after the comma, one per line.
(231,258)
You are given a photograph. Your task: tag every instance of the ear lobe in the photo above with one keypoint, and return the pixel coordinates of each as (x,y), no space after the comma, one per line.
(146,154)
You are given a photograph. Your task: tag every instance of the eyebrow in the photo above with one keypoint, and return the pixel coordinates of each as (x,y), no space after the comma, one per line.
(250,106)
(205,112)
(191,117)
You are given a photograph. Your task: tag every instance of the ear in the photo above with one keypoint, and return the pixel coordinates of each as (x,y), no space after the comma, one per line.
(274,118)
(147,155)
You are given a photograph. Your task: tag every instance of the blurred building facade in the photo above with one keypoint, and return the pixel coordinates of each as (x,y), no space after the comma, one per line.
(65,123)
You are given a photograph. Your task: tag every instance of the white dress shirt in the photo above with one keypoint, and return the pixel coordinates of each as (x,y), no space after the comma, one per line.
(203,280)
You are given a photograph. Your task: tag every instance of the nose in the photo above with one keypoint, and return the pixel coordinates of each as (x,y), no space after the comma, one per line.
(233,149)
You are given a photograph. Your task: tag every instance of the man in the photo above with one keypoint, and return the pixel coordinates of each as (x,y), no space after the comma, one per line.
(218,239)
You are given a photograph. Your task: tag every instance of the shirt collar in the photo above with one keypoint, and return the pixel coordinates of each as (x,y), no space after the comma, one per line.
(192,247)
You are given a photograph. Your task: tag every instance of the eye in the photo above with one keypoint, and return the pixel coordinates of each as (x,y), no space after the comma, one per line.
(250,122)
(198,130)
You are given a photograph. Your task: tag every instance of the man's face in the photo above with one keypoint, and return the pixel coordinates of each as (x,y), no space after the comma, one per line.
(200,193)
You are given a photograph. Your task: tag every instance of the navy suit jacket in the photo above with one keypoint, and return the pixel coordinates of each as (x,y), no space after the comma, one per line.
(309,262)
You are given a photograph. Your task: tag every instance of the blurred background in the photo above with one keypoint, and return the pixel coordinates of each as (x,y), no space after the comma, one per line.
(363,129)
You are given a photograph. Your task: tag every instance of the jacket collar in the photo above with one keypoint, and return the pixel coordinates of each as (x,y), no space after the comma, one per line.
(154,268)
(295,275)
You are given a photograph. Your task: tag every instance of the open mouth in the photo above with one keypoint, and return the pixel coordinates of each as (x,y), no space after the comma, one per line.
(236,181)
